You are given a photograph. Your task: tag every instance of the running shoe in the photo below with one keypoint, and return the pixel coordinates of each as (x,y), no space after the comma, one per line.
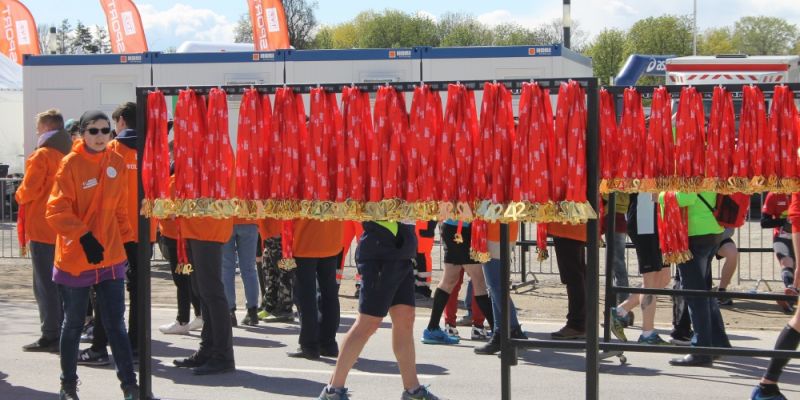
(451,330)
(175,328)
(333,394)
(653,339)
(618,325)
(465,320)
(93,358)
(131,392)
(758,394)
(438,336)
(479,333)
(422,393)
(196,324)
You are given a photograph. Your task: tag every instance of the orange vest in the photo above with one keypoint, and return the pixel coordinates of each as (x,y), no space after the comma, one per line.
(73,208)
(269,228)
(129,156)
(33,193)
(568,231)
(317,239)
(494,232)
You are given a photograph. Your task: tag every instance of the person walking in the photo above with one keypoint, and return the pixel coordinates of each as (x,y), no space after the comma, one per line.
(53,143)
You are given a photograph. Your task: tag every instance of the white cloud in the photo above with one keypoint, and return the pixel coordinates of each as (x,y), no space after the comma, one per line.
(497,17)
(181,22)
(428,15)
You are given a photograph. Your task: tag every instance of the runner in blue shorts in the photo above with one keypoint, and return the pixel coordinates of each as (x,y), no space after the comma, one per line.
(384,258)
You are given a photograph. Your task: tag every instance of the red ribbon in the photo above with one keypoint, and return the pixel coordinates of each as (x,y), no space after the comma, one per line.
(357,131)
(325,129)
(631,135)
(385,154)
(660,145)
(456,144)
(782,125)
(250,145)
(690,141)
(721,136)
(426,129)
(22,239)
(673,231)
(609,139)
(155,160)
(217,163)
(189,129)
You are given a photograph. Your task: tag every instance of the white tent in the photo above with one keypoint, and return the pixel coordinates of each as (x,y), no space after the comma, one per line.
(11,130)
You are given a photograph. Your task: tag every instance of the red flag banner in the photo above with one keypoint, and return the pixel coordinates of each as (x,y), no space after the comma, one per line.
(270,31)
(124,26)
(19,31)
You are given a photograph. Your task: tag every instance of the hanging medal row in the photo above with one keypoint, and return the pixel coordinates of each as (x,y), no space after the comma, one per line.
(693,151)
(359,161)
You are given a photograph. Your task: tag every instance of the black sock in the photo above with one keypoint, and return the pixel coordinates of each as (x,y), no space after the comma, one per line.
(769,389)
(440,298)
(486,308)
(787,340)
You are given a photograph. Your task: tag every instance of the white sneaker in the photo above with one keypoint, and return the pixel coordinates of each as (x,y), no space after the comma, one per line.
(451,330)
(175,328)
(479,333)
(196,324)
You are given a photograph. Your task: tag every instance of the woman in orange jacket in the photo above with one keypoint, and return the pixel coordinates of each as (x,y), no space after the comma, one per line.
(88,211)
(40,172)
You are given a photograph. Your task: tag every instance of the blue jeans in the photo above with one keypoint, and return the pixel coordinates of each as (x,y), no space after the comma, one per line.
(619,267)
(709,329)
(111,297)
(242,246)
(491,272)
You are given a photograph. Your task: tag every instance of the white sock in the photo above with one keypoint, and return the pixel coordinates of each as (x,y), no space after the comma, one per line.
(647,333)
(621,312)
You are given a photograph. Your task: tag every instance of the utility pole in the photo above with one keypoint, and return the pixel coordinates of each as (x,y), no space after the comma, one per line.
(694,29)
(567,22)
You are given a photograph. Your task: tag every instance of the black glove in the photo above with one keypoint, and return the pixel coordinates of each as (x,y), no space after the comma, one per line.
(92,248)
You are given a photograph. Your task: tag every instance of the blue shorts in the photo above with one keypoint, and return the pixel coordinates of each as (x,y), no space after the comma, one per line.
(385,284)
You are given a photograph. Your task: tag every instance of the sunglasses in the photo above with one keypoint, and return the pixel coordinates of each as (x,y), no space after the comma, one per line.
(95,131)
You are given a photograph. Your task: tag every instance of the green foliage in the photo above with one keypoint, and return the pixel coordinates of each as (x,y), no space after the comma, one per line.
(82,41)
(608,53)
(243,31)
(458,29)
(393,28)
(716,41)
(667,34)
(764,35)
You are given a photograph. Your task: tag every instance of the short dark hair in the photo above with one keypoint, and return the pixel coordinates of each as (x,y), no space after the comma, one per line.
(126,111)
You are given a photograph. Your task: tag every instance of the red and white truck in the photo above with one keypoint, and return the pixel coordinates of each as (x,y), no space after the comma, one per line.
(732,69)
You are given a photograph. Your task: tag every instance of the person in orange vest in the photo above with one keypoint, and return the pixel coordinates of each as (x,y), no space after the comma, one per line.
(124,144)
(426,230)
(570,246)
(317,246)
(205,237)
(40,172)
(88,209)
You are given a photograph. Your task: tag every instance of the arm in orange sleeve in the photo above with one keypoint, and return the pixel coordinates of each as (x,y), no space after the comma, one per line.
(126,232)
(33,184)
(60,214)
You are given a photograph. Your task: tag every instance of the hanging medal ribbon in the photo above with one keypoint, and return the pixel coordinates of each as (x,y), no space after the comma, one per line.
(251,142)
(783,125)
(673,231)
(720,142)
(631,139)
(609,143)
(426,130)
(357,131)
(660,144)
(217,163)
(188,129)
(22,238)
(325,125)
(690,141)
(155,160)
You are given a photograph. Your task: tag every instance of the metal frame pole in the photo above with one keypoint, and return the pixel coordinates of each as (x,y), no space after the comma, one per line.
(610,249)
(507,350)
(592,250)
(143,260)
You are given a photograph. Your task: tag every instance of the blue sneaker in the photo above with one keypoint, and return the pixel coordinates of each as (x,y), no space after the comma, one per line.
(757,395)
(653,339)
(333,394)
(421,393)
(438,336)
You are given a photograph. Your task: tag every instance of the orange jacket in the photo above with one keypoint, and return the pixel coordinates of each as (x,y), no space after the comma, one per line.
(269,228)
(89,195)
(206,229)
(129,156)
(494,232)
(317,239)
(33,193)
(567,231)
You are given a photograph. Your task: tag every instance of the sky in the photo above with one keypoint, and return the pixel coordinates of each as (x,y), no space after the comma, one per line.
(169,23)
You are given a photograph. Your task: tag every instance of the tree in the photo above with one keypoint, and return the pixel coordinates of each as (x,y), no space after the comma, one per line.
(63,37)
(553,32)
(323,39)
(243,31)
(608,53)
(512,34)
(82,41)
(667,34)
(716,41)
(764,35)
(301,22)
(796,49)
(459,29)
(101,40)
(393,28)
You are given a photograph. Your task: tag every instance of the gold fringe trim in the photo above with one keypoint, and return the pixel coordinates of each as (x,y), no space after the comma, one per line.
(287,264)
(479,256)
(184,269)
(677,258)
(730,185)
(542,255)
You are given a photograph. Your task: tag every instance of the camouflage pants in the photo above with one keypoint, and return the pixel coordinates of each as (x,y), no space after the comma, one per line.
(278,296)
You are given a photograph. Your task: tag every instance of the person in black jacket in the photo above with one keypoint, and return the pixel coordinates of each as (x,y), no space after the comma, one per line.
(384,259)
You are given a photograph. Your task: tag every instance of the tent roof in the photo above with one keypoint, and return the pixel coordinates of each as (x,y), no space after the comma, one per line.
(10,74)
